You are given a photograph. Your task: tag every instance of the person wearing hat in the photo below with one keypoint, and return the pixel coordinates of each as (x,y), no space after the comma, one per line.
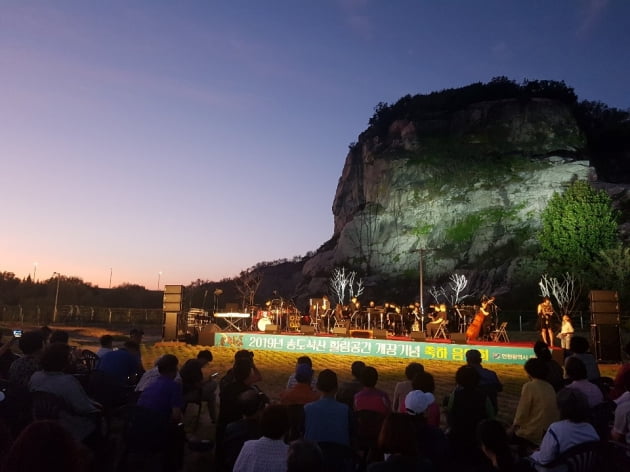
(301,393)
(431,440)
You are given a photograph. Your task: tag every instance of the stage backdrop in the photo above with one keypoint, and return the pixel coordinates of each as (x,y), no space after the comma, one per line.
(372,347)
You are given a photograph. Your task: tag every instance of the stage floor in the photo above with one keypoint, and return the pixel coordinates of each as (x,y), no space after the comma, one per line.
(395,347)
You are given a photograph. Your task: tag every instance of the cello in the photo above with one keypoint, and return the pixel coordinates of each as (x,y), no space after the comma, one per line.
(472,333)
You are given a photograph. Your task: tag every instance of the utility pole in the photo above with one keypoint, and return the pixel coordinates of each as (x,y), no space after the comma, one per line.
(56,297)
(421,283)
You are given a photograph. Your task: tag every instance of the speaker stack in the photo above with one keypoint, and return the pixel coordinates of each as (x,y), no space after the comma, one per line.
(605,334)
(172,307)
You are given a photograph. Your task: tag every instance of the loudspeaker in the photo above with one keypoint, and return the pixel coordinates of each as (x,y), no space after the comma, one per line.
(361,333)
(169,329)
(379,334)
(307,329)
(272,328)
(206,335)
(340,331)
(607,343)
(418,336)
(172,298)
(605,318)
(458,338)
(604,307)
(603,296)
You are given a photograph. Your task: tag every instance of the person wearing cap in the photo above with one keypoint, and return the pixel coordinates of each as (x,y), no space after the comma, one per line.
(301,393)
(431,440)
(488,379)
(403,388)
(292,380)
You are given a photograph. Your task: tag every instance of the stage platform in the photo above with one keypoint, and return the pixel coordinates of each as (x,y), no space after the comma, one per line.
(395,347)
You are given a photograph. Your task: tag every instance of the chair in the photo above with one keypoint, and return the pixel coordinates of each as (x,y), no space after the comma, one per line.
(441,331)
(46,406)
(499,334)
(90,359)
(585,457)
(368,427)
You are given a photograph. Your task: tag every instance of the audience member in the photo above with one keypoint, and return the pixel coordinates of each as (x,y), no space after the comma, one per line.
(7,356)
(347,390)
(424,382)
(370,397)
(576,372)
(327,420)
(431,441)
(555,374)
(196,389)
(580,349)
(536,408)
(403,388)
(305,456)
(495,445)
(254,375)
(45,446)
(79,419)
(302,360)
(31,344)
(622,377)
(301,393)
(136,335)
(467,406)
(248,427)
(46,333)
(115,374)
(621,424)
(397,440)
(107,345)
(571,430)
(269,453)
(488,380)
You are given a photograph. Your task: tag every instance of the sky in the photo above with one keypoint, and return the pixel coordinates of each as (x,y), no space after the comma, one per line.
(160,142)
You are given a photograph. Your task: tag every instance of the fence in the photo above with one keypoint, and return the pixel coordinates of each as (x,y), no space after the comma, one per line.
(79,315)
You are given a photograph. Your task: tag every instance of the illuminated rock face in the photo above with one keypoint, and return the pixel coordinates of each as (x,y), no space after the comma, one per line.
(468,186)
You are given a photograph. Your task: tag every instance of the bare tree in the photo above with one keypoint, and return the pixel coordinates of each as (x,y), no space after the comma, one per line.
(458,283)
(342,281)
(247,285)
(565,292)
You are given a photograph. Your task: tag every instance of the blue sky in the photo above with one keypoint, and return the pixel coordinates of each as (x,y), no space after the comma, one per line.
(198,138)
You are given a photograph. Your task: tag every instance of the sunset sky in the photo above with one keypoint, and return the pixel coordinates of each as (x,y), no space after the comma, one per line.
(198,138)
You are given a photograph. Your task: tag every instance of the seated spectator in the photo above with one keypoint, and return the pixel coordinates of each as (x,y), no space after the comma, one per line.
(45,445)
(580,350)
(300,361)
(621,425)
(107,345)
(327,420)
(622,377)
(488,380)
(571,430)
(397,439)
(79,419)
(112,381)
(467,406)
(431,441)
(301,393)
(555,373)
(59,336)
(196,389)
(494,443)
(347,390)
(254,375)
(269,453)
(371,398)
(403,388)
(248,427)
(536,408)
(32,345)
(7,356)
(576,372)
(151,376)
(305,456)
(425,383)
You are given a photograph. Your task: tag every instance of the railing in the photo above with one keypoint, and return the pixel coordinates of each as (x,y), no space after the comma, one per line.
(80,315)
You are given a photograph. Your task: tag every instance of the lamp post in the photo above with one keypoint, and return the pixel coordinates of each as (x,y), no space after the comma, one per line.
(56,296)
(110,277)
(159,277)
(34,272)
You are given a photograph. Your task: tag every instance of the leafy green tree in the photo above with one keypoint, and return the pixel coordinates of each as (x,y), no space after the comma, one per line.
(576,226)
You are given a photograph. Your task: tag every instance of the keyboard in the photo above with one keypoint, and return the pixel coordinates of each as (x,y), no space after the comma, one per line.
(232,315)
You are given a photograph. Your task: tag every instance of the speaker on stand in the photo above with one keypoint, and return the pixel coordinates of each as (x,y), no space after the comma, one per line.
(605,333)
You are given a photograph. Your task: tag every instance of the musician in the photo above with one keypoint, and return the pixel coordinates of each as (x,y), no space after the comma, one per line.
(487,320)
(437,318)
(545,312)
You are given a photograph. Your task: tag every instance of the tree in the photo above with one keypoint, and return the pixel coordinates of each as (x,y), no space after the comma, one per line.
(342,281)
(247,285)
(576,226)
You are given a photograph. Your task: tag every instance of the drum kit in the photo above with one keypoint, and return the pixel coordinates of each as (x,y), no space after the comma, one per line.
(278,311)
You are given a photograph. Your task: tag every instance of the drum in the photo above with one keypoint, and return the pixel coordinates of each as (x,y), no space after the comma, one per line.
(262,323)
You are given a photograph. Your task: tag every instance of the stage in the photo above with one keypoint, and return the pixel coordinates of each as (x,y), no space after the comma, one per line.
(394,347)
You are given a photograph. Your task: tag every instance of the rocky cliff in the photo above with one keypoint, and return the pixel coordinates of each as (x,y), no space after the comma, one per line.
(467,186)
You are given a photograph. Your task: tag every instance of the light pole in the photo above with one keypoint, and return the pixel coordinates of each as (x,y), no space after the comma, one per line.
(159,276)
(421,283)
(56,296)
(34,272)
(110,277)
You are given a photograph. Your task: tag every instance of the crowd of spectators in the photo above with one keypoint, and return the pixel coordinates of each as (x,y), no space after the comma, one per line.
(316,424)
